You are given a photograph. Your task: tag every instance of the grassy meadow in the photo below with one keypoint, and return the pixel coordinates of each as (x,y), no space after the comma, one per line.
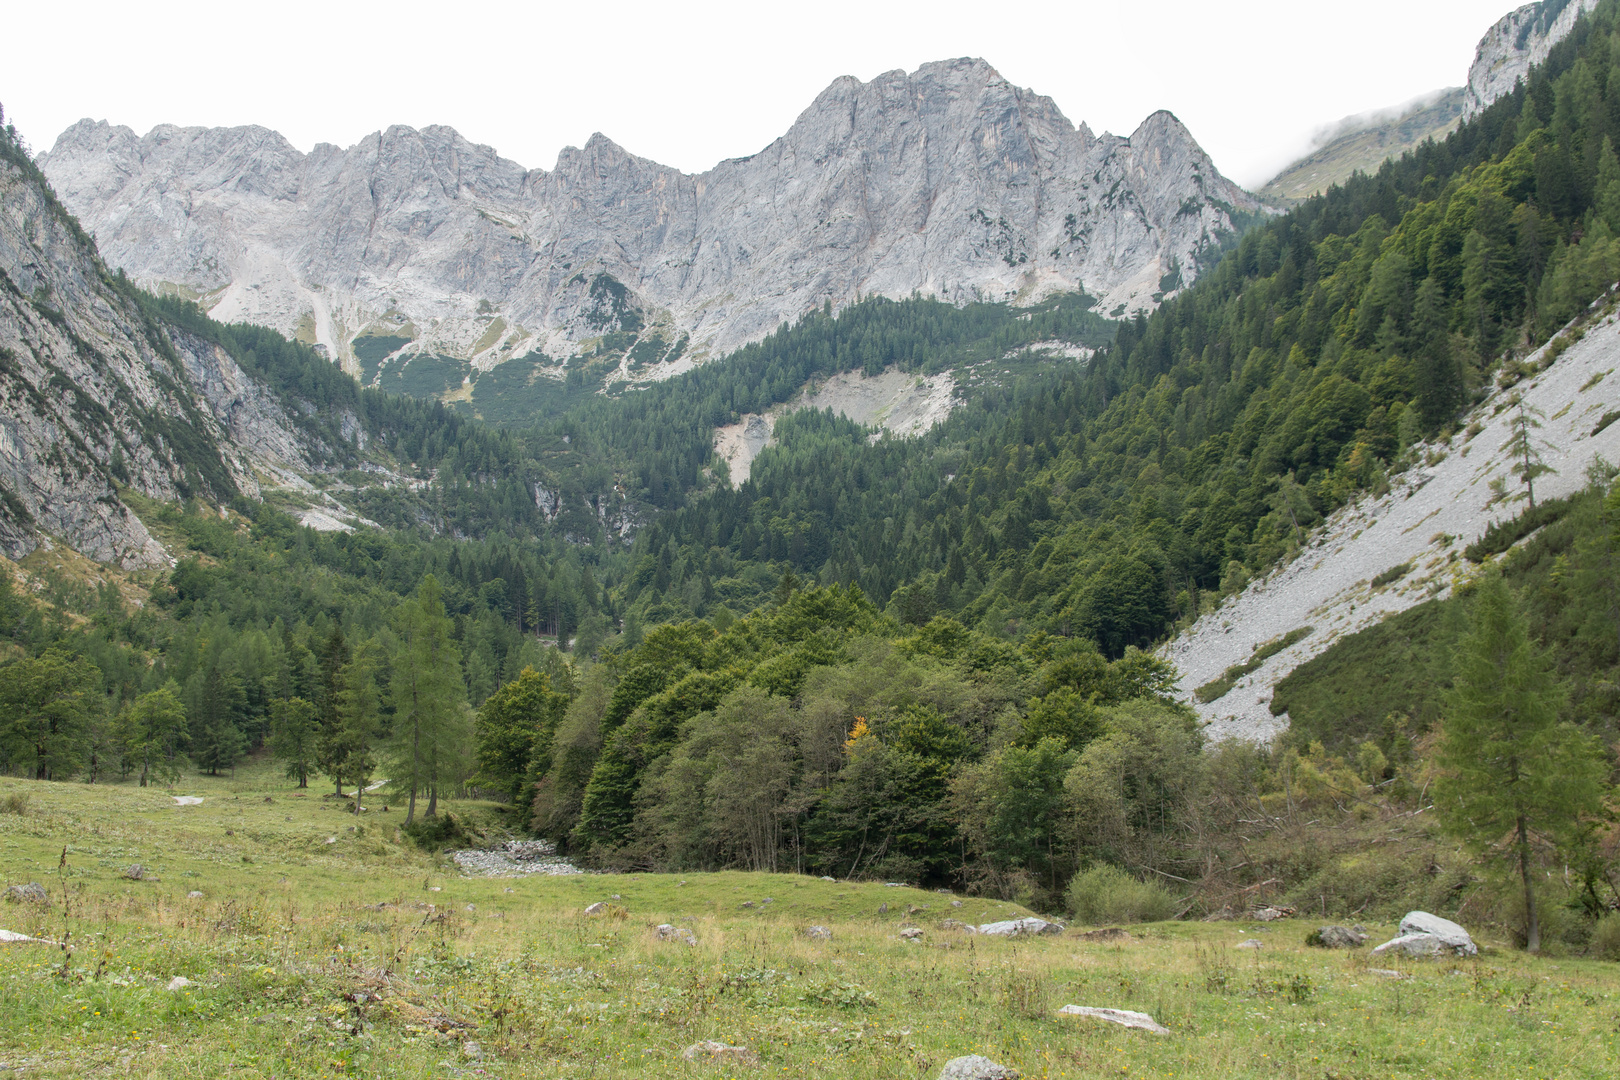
(324,947)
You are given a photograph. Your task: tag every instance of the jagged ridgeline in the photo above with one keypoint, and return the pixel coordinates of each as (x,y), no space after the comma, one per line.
(1113,500)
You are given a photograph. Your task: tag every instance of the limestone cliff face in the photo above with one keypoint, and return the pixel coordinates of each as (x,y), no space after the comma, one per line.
(93,395)
(948,180)
(1517,43)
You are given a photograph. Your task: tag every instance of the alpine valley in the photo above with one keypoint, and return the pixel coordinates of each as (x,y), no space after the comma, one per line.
(462,618)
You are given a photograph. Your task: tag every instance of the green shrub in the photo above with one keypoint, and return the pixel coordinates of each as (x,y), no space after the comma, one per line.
(1605,944)
(1394,573)
(1504,534)
(15,803)
(1107,894)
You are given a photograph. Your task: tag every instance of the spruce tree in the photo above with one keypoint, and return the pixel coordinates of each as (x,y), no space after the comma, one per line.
(1510,767)
(294,734)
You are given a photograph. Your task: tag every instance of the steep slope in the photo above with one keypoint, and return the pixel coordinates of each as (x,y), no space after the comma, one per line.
(97,395)
(1518,42)
(948,181)
(1430,514)
(1362,143)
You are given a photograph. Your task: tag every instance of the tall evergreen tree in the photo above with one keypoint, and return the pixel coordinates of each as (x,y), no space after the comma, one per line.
(294,734)
(153,732)
(430,734)
(46,707)
(1510,766)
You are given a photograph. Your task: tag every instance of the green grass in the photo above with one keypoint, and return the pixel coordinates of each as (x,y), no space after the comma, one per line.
(317,959)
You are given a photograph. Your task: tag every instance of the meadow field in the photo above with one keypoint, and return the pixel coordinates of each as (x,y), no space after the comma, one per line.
(313,944)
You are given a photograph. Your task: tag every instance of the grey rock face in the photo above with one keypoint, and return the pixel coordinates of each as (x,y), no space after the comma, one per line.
(1518,42)
(88,388)
(949,181)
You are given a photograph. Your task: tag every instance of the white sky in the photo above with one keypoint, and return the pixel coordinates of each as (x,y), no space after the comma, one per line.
(689,84)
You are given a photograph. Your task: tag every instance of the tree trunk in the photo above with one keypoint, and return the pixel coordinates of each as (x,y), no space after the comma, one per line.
(1532,930)
(433,800)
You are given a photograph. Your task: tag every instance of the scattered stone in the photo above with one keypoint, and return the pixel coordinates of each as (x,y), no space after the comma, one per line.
(911,933)
(1020,927)
(1386,973)
(10,937)
(1122,1017)
(824,877)
(179,982)
(138,873)
(765,901)
(1271,914)
(515,858)
(1252,943)
(31,893)
(471,1050)
(818,933)
(883,909)
(710,1052)
(187,800)
(913,909)
(747,903)
(956,903)
(194,894)
(1335,937)
(956,924)
(598,908)
(894,884)
(268,799)
(666,932)
(1111,933)
(974,1067)
(471,908)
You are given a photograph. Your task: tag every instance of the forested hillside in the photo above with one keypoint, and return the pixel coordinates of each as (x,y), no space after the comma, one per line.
(1195,451)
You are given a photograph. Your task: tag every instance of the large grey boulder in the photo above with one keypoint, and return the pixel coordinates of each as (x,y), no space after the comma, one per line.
(1335,937)
(1423,934)
(1020,927)
(974,1067)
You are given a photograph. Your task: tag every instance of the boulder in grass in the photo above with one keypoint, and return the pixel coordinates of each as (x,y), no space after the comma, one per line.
(1020,928)
(179,982)
(1335,937)
(974,1067)
(1422,934)
(598,908)
(11,937)
(666,932)
(710,1052)
(818,933)
(31,893)
(1122,1017)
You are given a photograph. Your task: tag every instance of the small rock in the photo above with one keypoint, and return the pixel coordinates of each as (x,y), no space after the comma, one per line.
(31,893)
(818,933)
(509,889)
(911,933)
(179,982)
(710,1052)
(616,896)
(1271,914)
(1111,933)
(194,894)
(913,909)
(956,924)
(765,901)
(666,932)
(1386,973)
(136,873)
(11,937)
(1020,927)
(471,1050)
(330,840)
(1122,1017)
(956,903)
(883,909)
(824,877)
(471,908)
(187,800)
(894,885)
(747,903)
(1252,943)
(1419,946)
(1335,937)
(595,909)
(974,1067)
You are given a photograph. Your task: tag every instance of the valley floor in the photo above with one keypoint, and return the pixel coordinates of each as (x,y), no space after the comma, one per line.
(315,946)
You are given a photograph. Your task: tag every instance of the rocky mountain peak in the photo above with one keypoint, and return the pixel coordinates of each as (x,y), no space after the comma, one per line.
(1518,42)
(948,180)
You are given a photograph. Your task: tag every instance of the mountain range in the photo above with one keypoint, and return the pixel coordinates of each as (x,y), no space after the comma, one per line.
(948,181)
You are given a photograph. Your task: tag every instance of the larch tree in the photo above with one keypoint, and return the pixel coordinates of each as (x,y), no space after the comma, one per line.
(430,734)
(1510,768)
(153,732)
(46,707)
(294,731)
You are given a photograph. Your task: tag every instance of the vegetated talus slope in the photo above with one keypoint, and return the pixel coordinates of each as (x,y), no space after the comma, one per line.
(1362,143)
(1432,511)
